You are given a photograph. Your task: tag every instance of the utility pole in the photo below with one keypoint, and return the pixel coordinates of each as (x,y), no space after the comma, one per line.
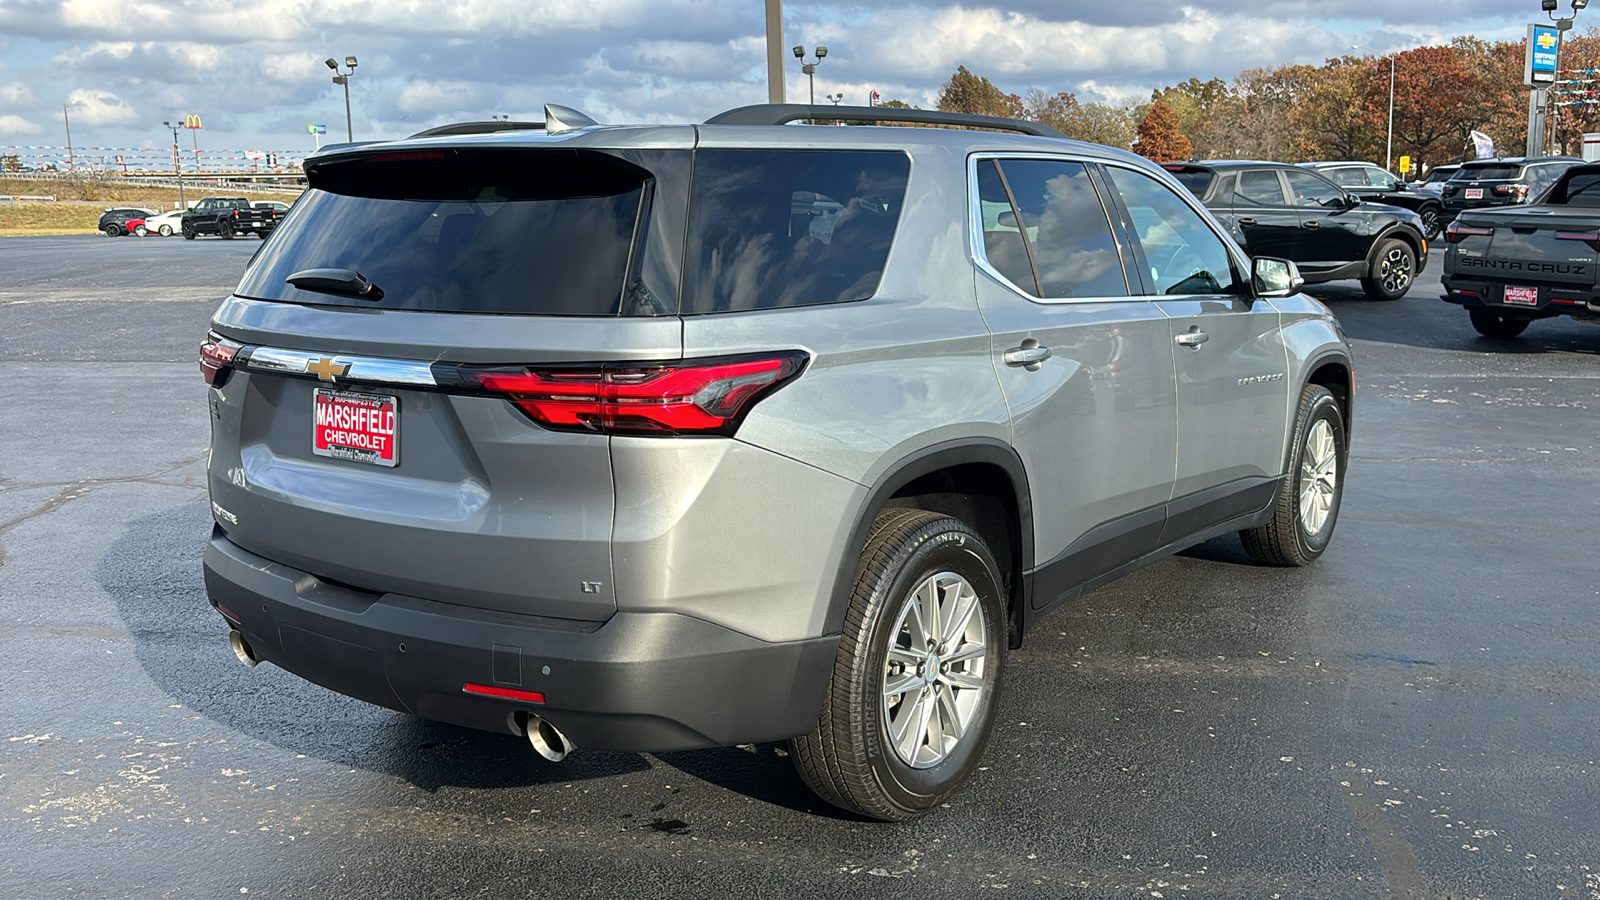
(177,169)
(71,165)
(774,51)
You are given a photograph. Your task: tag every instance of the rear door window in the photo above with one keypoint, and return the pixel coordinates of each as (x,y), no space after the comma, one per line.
(530,232)
(1074,252)
(771,229)
(1260,187)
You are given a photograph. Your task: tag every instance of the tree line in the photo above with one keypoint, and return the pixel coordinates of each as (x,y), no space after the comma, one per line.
(1338,110)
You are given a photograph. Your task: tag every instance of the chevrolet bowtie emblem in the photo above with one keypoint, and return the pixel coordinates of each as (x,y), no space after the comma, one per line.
(326,369)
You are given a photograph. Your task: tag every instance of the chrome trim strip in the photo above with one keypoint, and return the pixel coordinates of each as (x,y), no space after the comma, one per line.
(357,368)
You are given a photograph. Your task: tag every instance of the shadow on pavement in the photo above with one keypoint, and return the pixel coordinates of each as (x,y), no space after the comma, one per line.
(153,574)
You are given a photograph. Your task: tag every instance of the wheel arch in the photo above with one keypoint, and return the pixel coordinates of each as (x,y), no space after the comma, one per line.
(1400,231)
(981,482)
(1333,371)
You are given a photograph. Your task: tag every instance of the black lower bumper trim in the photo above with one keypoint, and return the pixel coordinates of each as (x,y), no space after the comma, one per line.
(646,682)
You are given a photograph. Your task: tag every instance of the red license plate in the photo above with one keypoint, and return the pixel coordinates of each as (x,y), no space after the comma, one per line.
(1474,193)
(1522,296)
(358,427)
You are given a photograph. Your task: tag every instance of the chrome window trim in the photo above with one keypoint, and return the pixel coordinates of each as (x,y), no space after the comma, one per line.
(975,229)
(367,369)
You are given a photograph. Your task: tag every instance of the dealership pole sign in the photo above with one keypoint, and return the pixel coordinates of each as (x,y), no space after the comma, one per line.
(1543,51)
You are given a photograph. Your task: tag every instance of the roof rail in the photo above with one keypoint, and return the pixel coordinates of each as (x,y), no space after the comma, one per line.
(478,128)
(784,113)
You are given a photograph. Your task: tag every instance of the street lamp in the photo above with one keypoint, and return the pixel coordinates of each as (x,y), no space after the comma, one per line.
(175,169)
(1388,153)
(1565,24)
(810,68)
(344,79)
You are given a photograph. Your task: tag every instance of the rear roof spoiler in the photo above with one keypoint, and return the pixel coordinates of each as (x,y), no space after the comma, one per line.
(784,113)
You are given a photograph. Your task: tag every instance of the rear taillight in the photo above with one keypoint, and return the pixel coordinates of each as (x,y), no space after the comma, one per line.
(704,396)
(1588,237)
(1518,192)
(1448,190)
(1457,231)
(216,358)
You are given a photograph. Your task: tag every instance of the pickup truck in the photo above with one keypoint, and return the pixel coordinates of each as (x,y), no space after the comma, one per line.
(228,216)
(1511,265)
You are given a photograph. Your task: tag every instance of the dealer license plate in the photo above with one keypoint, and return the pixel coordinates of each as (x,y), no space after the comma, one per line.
(1474,193)
(1522,296)
(354,426)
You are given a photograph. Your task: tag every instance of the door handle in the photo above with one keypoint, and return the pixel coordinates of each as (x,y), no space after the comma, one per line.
(1029,356)
(1247,221)
(1194,338)
(1311,224)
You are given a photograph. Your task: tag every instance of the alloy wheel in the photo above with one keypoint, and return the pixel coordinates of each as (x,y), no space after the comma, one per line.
(1319,477)
(933,678)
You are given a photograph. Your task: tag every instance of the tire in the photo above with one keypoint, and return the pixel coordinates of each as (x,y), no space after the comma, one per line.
(188,232)
(113,230)
(1393,268)
(852,758)
(225,231)
(1307,506)
(1493,325)
(1431,225)
(141,231)
(164,231)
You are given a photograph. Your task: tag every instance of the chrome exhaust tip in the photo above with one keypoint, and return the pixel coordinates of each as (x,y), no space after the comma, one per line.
(242,649)
(547,740)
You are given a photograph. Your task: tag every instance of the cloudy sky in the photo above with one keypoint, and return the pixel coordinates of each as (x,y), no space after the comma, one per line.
(254,72)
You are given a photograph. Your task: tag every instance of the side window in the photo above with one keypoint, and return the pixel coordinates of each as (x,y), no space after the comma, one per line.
(1260,188)
(1068,230)
(1003,245)
(1378,178)
(1185,255)
(1309,190)
(1349,176)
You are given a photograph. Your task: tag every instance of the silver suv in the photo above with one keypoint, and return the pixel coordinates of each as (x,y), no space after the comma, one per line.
(656,438)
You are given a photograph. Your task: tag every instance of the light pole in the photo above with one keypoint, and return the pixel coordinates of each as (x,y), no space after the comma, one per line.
(344,79)
(1388,153)
(175,168)
(835,99)
(810,68)
(1541,96)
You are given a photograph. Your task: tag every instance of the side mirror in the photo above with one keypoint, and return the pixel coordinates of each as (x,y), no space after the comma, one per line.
(1275,277)
(1351,201)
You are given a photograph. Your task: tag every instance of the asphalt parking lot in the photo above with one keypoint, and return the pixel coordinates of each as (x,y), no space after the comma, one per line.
(1414,715)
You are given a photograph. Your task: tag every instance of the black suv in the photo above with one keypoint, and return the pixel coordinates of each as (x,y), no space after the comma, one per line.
(1374,184)
(115,221)
(1502,182)
(1287,211)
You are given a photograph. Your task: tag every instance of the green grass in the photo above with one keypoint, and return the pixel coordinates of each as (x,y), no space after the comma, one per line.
(47,218)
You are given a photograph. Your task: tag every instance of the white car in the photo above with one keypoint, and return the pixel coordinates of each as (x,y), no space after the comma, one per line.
(165,224)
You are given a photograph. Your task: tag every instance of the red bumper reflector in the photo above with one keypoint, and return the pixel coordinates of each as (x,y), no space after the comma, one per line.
(503,693)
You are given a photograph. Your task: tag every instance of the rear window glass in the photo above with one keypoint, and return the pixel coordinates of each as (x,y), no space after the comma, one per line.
(520,232)
(1580,189)
(781,228)
(1196,180)
(1487,173)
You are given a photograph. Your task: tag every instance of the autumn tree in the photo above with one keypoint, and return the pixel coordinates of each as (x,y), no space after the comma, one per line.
(1158,136)
(969,93)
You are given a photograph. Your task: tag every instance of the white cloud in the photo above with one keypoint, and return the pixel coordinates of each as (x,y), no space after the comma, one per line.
(429,97)
(16,95)
(14,124)
(93,107)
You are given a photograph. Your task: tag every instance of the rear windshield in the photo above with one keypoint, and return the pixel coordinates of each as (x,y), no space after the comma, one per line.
(783,228)
(1580,188)
(1487,173)
(475,231)
(1196,180)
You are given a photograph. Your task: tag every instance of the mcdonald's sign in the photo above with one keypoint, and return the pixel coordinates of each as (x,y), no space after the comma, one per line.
(191,122)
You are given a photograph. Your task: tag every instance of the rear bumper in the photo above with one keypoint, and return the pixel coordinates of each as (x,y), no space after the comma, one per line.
(646,682)
(1553,300)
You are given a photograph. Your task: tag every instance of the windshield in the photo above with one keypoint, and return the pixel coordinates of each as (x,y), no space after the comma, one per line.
(1496,172)
(1196,180)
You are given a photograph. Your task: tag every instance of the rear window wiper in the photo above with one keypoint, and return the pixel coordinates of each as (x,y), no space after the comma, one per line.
(345,282)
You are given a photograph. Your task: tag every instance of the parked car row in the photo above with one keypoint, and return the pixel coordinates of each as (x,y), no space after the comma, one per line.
(221,216)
